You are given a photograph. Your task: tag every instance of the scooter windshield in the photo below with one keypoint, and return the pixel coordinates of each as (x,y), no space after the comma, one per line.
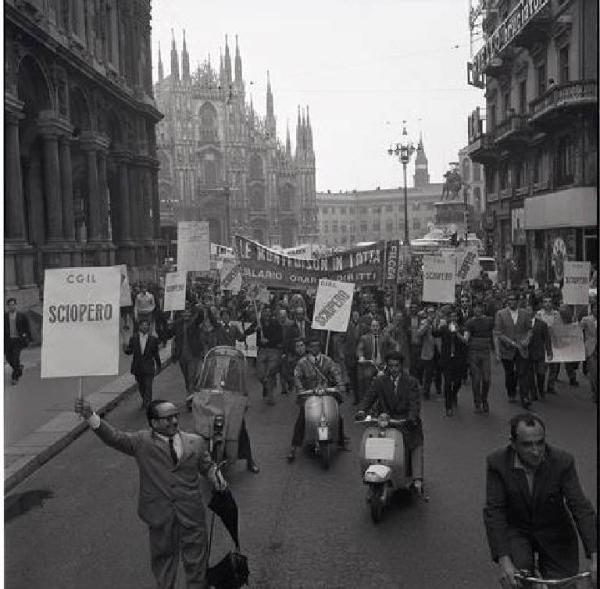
(222,372)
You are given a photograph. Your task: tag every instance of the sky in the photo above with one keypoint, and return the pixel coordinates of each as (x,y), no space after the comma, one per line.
(362,67)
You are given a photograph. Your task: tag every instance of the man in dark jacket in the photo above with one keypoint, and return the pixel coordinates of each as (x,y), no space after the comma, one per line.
(540,347)
(270,346)
(144,348)
(533,496)
(17,335)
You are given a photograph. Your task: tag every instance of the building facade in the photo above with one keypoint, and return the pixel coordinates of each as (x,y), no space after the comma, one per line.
(346,218)
(80,172)
(223,163)
(538,137)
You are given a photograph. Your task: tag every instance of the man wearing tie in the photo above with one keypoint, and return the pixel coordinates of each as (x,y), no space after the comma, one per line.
(388,309)
(369,355)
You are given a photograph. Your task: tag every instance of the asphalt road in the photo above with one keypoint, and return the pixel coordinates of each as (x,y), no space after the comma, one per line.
(301,527)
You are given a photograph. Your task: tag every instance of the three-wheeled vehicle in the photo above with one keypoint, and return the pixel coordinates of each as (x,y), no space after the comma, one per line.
(220,400)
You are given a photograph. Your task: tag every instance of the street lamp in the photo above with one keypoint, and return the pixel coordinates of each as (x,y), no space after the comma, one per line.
(403,151)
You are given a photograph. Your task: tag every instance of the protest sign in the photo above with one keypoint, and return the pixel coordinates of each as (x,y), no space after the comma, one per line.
(125,298)
(392,262)
(230,276)
(175,284)
(576,286)
(439,279)
(333,305)
(193,246)
(258,292)
(81,321)
(248,347)
(467,264)
(567,342)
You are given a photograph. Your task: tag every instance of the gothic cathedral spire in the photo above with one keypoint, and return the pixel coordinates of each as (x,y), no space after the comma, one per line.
(227,62)
(185,61)
(271,125)
(238,64)
(174,58)
(161,71)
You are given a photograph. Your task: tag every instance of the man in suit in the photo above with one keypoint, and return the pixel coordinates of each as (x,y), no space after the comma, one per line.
(170,463)
(397,394)
(540,347)
(512,330)
(589,325)
(144,348)
(388,311)
(370,356)
(17,334)
(533,495)
(181,351)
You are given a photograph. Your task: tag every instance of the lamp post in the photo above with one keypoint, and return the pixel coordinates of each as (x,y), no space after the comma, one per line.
(403,151)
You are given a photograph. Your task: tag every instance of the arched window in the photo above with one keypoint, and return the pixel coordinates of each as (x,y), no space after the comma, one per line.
(209,122)
(257,198)
(210,173)
(256,167)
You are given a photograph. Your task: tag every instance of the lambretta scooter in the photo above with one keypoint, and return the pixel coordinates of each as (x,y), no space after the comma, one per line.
(321,415)
(219,402)
(384,462)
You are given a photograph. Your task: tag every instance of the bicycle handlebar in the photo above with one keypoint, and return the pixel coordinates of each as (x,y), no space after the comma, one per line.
(525,577)
(325,392)
(369,420)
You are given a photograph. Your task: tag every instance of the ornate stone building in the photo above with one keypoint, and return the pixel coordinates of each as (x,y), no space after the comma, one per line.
(80,181)
(221,162)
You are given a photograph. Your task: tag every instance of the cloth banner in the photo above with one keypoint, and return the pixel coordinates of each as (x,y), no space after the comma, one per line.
(249,347)
(125,299)
(439,279)
(230,276)
(362,266)
(175,285)
(333,305)
(392,262)
(81,321)
(567,342)
(576,287)
(467,264)
(193,246)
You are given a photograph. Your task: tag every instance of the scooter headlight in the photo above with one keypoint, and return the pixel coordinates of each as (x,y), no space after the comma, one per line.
(218,424)
(383,420)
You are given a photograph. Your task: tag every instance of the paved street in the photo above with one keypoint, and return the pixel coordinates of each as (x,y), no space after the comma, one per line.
(300,526)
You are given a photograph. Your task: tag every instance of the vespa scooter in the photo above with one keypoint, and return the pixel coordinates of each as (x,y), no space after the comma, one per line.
(384,462)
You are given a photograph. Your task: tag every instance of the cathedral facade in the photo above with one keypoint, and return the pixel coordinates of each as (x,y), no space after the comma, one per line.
(221,162)
(80,173)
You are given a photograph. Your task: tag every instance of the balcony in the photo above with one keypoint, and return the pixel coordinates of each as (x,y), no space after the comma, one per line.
(561,98)
(533,30)
(483,148)
(513,129)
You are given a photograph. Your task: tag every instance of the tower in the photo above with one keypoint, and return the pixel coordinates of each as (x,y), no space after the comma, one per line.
(271,125)
(227,63)
(309,138)
(174,59)
(238,65)
(161,71)
(185,61)
(421,176)
(288,141)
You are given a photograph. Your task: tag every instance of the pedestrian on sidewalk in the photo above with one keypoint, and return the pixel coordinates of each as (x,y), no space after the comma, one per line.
(17,335)
(170,463)
(144,348)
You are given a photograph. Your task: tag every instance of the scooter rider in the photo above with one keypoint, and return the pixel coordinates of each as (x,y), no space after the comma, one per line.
(397,394)
(315,370)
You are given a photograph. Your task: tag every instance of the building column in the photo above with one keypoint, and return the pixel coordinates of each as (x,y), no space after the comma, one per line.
(52,187)
(66,183)
(14,221)
(103,196)
(133,202)
(124,224)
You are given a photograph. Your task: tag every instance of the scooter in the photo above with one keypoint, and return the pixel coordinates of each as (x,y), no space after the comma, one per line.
(321,414)
(384,462)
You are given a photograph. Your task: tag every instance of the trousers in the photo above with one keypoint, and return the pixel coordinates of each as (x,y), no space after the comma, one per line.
(13,356)
(516,371)
(481,374)
(267,366)
(145,382)
(453,373)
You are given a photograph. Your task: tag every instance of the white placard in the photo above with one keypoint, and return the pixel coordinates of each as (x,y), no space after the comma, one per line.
(333,305)
(576,287)
(248,347)
(439,279)
(567,342)
(467,264)
(125,299)
(230,276)
(175,284)
(81,321)
(193,246)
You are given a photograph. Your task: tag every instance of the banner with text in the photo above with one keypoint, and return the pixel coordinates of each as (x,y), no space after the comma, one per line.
(175,284)
(362,266)
(81,321)
(439,279)
(333,305)
(392,262)
(230,276)
(576,287)
(193,246)
(567,342)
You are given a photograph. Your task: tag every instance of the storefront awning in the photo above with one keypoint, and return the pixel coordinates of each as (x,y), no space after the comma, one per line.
(572,207)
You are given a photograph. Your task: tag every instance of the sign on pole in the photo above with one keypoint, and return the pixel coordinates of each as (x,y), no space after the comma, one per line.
(125,298)
(333,305)
(258,292)
(439,279)
(230,276)
(193,246)
(175,283)
(576,287)
(467,264)
(567,342)
(81,321)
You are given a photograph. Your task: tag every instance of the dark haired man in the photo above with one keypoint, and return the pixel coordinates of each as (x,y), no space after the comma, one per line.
(17,335)
(533,495)
(170,499)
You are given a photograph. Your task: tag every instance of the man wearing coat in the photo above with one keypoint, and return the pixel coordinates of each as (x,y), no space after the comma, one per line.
(589,326)
(170,463)
(144,348)
(533,496)
(512,330)
(370,356)
(17,335)
(540,347)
